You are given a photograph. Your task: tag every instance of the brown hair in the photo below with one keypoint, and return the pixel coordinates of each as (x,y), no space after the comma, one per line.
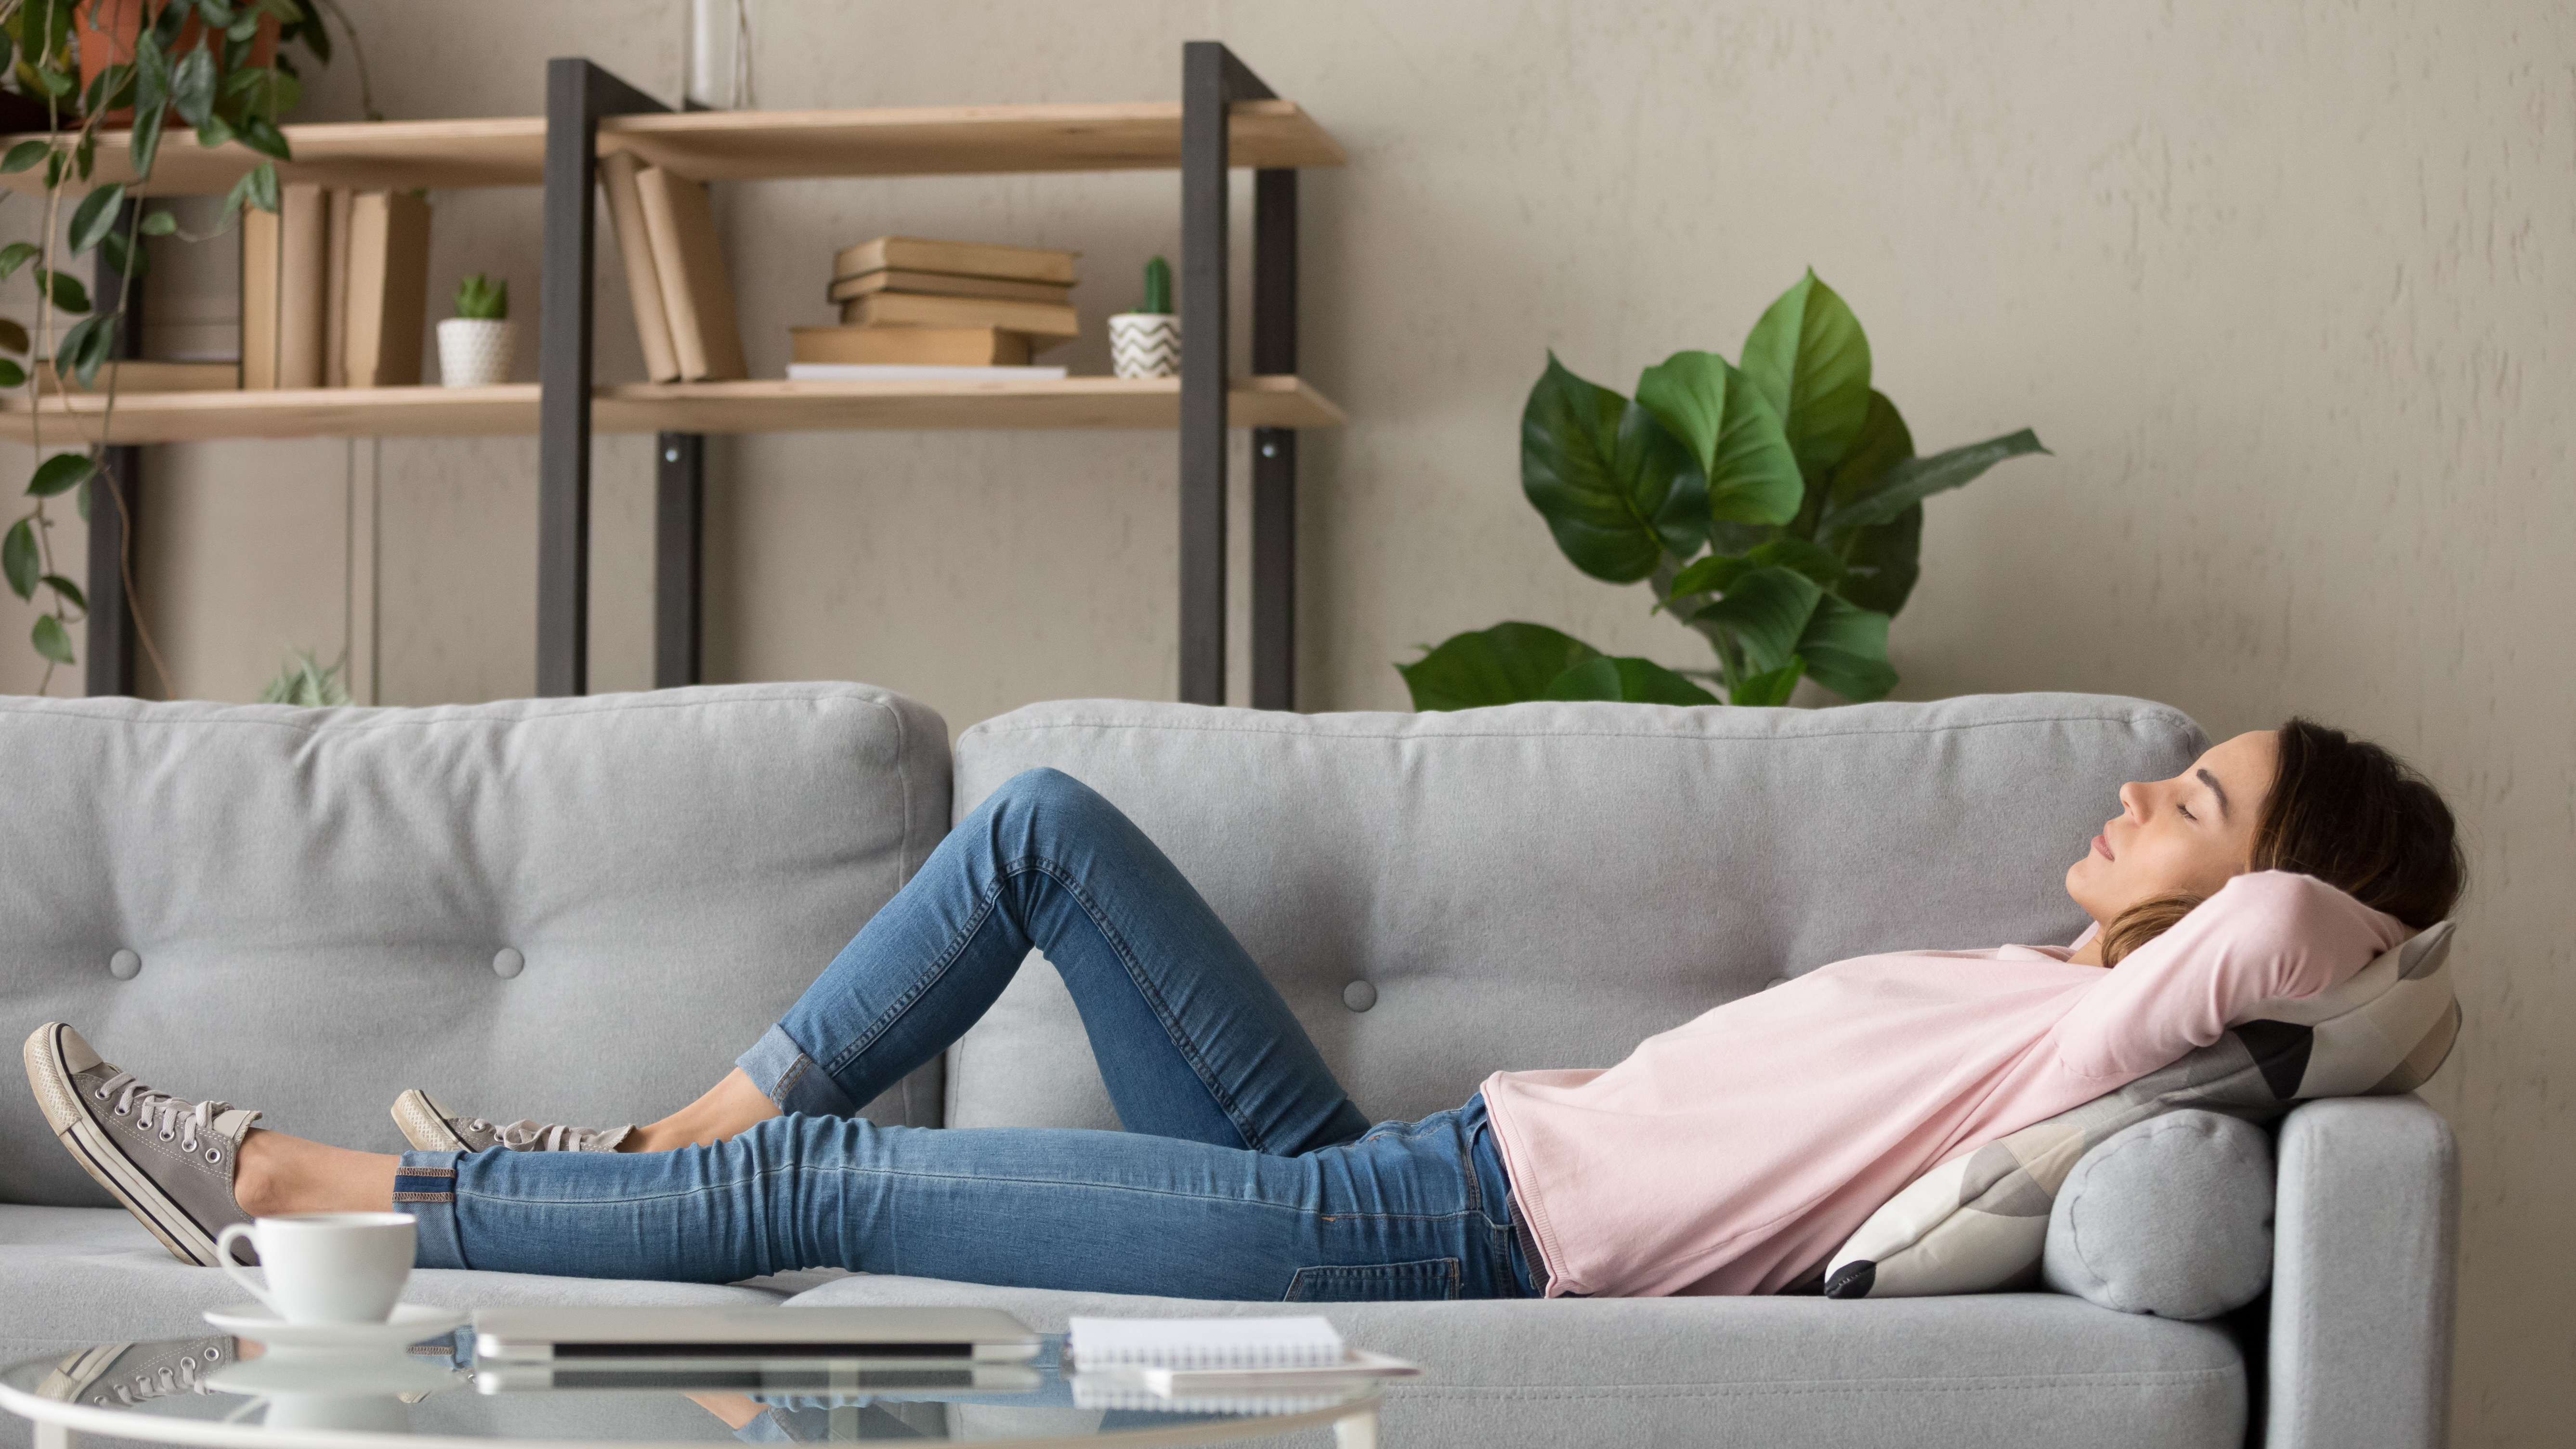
(2349,813)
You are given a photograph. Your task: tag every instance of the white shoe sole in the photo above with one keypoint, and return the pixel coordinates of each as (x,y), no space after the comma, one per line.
(101,1158)
(423,1125)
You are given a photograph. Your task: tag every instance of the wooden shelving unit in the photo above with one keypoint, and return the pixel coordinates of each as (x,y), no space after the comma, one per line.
(1226,120)
(765,406)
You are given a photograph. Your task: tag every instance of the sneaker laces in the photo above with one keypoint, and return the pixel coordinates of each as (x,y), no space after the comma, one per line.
(185,1120)
(530,1135)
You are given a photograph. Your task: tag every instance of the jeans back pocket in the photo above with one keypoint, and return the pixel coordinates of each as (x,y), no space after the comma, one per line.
(1375,1282)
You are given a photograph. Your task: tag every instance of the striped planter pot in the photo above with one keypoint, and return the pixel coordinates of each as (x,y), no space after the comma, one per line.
(1145,344)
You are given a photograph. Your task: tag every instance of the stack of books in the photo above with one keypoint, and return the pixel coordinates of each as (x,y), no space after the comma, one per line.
(911,307)
(335,287)
(675,272)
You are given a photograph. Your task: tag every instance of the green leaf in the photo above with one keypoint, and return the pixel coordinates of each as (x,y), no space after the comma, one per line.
(143,145)
(24,155)
(68,590)
(192,86)
(1718,572)
(263,186)
(1882,443)
(1506,664)
(261,134)
(1810,361)
(1769,690)
(159,223)
(44,26)
(67,290)
(80,498)
(11,374)
(1765,612)
(13,338)
(53,82)
(310,30)
(95,217)
(127,260)
(51,641)
(1916,479)
(1616,489)
(58,474)
(1845,647)
(1880,564)
(16,255)
(217,131)
(18,557)
(85,349)
(1637,681)
(1752,477)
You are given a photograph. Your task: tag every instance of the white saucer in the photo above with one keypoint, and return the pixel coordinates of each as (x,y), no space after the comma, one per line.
(410,1323)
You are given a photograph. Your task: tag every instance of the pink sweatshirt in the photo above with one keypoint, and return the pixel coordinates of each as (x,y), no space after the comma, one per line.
(1736,1152)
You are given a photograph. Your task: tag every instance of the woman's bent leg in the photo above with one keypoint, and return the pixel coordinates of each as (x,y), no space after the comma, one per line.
(1192,1041)
(1399,1214)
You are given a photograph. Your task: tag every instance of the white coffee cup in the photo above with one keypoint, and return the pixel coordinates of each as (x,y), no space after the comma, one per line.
(326,1267)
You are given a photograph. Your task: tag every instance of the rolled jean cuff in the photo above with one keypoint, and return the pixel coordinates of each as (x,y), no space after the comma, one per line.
(425,1187)
(788,1077)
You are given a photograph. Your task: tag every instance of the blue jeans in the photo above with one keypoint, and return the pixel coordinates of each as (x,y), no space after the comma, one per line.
(1244,1172)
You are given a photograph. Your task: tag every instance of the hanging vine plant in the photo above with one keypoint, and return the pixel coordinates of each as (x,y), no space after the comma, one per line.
(95,87)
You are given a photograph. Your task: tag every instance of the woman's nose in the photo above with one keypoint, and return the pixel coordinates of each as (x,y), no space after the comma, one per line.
(2129,798)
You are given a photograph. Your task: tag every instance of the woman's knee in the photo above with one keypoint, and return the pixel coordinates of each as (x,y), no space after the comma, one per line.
(1047,791)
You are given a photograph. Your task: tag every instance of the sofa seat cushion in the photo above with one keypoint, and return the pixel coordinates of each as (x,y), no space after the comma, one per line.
(1992,1370)
(75,1276)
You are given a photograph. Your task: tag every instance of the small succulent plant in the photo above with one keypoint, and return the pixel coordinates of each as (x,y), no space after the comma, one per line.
(482,299)
(1158,288)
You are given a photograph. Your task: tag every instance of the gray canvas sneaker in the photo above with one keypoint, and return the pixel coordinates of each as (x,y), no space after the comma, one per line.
(121,1375)
(430,1126)
(170,1162)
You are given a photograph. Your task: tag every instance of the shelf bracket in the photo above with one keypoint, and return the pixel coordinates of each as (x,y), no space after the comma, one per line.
(578,93)
(1211,79)
(1274,450)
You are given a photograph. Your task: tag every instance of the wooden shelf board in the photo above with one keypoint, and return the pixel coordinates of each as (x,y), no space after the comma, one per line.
(707,407)
(732,145)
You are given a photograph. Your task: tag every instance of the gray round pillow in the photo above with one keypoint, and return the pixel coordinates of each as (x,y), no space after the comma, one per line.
(2171,1216)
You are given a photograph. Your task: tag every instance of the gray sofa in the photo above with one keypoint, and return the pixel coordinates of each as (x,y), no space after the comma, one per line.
(583,909)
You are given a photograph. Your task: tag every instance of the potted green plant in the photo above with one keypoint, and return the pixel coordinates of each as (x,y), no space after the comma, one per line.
(476,345)
(1147,341)
(1796,476)
(71,70)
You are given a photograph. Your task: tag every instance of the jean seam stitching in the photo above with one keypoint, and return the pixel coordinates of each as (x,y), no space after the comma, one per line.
(1153,999)
(896,1010)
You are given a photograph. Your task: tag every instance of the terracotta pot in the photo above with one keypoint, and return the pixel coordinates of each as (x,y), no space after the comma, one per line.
(103,33)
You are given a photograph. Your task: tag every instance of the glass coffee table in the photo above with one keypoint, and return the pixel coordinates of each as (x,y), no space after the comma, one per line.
(224,1393)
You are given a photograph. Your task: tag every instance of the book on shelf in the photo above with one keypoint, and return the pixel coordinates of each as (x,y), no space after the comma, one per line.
(337,204)
(968,259)
(915,372)
(697,298)
(1053,321)
(941,284)
(303,266)
(258,299)
(617,171)
(386,318)
(335,288)
(921,346)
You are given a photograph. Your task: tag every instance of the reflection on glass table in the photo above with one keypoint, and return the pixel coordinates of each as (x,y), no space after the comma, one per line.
(232,1394)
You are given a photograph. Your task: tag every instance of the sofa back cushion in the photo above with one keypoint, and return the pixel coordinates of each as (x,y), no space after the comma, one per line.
(311,902)
(1439,896)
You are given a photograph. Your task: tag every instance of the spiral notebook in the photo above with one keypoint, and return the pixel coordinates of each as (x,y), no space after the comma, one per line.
(1169,1357)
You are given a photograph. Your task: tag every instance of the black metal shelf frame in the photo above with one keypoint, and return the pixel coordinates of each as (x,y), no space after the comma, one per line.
(578,93)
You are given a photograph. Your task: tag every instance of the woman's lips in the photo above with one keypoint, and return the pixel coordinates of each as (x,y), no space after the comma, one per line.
(2102,843)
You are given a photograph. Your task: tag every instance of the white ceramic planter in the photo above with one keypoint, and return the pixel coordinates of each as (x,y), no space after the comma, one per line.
(475,351)
(1145,344)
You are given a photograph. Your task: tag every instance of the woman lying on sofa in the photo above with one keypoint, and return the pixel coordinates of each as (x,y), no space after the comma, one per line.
(1731,1154)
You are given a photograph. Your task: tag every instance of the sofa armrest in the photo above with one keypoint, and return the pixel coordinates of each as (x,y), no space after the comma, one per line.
(2362,1277)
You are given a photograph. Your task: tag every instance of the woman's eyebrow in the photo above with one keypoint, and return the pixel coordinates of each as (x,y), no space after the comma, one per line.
(2216,789)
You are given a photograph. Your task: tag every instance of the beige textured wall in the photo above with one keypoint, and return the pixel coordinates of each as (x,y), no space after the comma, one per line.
(2286,287)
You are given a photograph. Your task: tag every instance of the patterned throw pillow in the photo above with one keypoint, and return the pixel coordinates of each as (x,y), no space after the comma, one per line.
(1980,1220)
